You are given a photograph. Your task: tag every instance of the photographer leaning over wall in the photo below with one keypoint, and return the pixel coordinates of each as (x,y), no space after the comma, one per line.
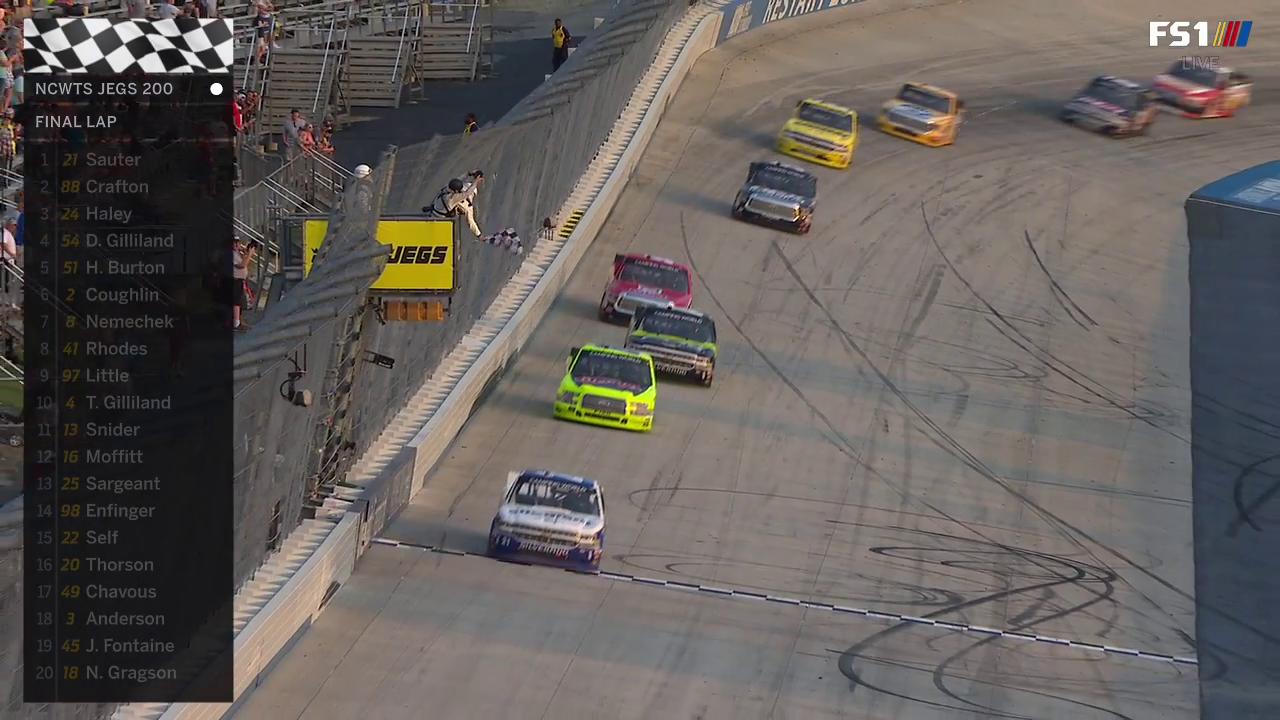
(458,198)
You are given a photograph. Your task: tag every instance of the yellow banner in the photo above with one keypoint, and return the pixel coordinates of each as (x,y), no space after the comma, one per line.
(313,232)
(422,253)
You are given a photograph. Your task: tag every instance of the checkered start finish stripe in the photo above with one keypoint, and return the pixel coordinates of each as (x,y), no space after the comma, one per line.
(892,617)
(105,46)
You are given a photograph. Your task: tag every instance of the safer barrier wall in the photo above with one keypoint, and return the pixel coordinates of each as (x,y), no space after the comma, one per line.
(274,438)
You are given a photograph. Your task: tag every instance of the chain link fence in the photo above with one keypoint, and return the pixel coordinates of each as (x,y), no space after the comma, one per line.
(299,344)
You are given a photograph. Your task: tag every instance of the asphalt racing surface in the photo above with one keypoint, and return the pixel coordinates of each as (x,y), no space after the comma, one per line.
(964,397)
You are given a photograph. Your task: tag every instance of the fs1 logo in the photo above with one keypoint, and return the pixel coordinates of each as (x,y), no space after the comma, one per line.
(1227,33)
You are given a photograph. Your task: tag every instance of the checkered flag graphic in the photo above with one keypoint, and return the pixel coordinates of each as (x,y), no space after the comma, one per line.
(106,46)
(507,239)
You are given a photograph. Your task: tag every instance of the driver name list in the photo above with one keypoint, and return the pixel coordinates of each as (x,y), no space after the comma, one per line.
(128,469)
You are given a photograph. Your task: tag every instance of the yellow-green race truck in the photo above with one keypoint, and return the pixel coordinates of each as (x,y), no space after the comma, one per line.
(608,386)
(681,342)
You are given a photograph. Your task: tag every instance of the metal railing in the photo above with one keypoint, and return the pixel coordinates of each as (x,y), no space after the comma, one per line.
(10,370)
(309,184)
(12,269)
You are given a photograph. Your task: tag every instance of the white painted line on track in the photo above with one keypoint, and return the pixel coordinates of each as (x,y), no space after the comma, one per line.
(830,607)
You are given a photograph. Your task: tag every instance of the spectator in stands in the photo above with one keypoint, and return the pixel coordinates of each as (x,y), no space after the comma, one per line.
(470,125)
(265,24)
(6,77)
(11,230)
(13,40)
(324,144)
(237,130)
(292,125)
(307,138)
(249,109)
(8,140)
(8,251)
(168,10)
(560,38)
(237,113)
(211,8)
(20,230)
(136,9)
(241,259)
(72,8)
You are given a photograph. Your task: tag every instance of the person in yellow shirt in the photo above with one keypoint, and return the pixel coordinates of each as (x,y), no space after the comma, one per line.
(560,38)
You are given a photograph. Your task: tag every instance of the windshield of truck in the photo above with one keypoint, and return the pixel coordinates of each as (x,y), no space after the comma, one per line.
(1109,93)
(1203,76)
(621,372)
(788,182)
(818,115)
(924,98)
(549,492)
(655,275)
(691,327)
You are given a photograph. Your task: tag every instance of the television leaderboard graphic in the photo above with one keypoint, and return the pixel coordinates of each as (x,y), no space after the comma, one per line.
(129,580)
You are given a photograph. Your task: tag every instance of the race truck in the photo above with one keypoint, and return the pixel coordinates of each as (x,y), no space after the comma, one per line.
(923,113)
(1112,106)
(645,280)
(681,342)
(820,132)
(608,386)
(778,195)
(550,517)
(1203,92)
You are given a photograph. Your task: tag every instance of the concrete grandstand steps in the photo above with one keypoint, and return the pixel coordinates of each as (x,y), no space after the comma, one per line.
(298,78)
(375,71)
(451,52)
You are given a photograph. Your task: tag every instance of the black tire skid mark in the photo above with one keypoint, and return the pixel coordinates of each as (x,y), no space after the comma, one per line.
(940,672)
(1076,533)
(846,659)
(1246,420)
(1100,575)
(1050,361)
(914,667)
(1244,512)
(837,439)
(939,436)
(926,284)
(1147,416)
(948,444)
(1074,311)
(842,444)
